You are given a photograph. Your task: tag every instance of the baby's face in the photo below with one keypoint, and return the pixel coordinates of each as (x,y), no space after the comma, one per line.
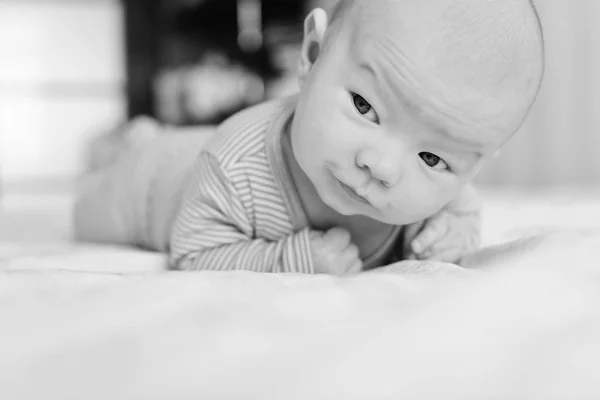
(380,135)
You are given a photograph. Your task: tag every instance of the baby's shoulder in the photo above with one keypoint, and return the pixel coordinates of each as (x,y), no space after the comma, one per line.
(244,134)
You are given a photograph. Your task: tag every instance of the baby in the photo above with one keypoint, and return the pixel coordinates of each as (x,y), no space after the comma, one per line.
(401,103)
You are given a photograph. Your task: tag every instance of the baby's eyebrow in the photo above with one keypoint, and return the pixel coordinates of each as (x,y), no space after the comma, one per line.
(367,68)
(461,143)
(407,104)
(419,113)
(472,157)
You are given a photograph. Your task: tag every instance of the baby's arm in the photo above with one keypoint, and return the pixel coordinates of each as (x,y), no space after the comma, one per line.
(213,232)
(451,233)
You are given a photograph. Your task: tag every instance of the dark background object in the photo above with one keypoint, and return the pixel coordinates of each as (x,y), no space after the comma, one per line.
(166,34)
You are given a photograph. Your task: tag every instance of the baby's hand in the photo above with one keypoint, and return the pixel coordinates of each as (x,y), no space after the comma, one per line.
(334,253)
(447,236)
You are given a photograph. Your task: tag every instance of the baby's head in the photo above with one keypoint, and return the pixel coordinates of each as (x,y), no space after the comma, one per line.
(402,101)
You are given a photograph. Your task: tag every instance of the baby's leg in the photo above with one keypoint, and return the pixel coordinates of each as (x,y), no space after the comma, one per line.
(133,199)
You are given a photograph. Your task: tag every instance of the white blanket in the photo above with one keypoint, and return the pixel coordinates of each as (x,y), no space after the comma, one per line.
(88,322)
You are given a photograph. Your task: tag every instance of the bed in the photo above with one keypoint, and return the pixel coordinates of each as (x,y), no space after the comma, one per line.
(98,322)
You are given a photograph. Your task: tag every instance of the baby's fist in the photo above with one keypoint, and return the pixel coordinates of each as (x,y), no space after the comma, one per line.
(334,253)
(447,237)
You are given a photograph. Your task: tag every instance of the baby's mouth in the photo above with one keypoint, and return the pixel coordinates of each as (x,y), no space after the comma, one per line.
(353,194)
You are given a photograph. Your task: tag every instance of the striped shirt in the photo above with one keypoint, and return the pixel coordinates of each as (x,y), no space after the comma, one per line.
(237,212)
(241,210)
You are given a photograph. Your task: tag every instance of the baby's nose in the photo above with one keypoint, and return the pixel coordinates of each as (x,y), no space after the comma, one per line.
(386,169)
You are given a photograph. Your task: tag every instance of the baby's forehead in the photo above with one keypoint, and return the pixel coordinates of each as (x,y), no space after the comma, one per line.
(488,49)
(483,43)
(454,23)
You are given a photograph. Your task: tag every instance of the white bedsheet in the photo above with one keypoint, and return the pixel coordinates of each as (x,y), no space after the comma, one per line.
(93,322)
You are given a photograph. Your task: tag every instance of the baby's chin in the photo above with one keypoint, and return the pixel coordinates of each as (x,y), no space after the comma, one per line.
(340,207)
(400,220)
(374,214)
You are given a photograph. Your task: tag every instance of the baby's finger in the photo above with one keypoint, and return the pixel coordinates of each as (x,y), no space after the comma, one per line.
(450,240)
(348,256)
(432,233)
(350,259)
(355,267)
(351,253)
(411,231)
(458,242)
(449,255)
(337,238)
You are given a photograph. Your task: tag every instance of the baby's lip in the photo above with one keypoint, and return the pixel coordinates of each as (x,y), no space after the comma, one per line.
(360,190)
(363,191)
(359,194)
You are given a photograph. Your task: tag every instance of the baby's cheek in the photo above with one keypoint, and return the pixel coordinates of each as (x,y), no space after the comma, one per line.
(403,210)
(428,199)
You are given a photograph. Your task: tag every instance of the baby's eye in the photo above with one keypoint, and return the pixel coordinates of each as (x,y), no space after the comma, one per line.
(434,161)
(364,108)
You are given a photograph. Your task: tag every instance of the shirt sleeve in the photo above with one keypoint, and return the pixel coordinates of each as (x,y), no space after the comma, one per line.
(213,232)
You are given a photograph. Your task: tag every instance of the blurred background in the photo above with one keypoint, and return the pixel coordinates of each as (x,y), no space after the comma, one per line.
(73,69)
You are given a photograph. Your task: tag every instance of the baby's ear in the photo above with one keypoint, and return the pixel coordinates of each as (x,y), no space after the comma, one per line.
(315,26)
